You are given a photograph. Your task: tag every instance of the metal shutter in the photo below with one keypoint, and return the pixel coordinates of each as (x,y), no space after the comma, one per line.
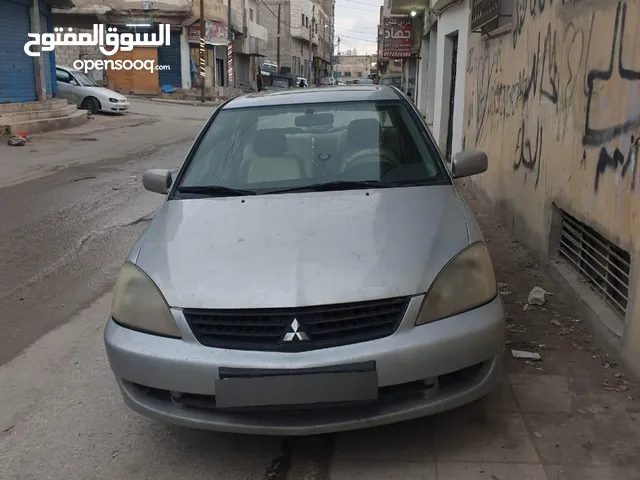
(17,82)
(46,56)
(170,55)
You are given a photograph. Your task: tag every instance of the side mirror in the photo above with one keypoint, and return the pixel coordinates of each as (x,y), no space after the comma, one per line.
(465,164)
(157,180)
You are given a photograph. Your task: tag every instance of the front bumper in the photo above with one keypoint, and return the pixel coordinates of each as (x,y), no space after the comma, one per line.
(459,357)
(115,107)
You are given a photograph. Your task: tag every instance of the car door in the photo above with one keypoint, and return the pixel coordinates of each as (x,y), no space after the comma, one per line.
(68,86)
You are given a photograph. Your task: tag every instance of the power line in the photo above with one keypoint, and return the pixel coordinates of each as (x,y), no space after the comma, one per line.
(355,8)
(377,7)
(275,15)
(356,38)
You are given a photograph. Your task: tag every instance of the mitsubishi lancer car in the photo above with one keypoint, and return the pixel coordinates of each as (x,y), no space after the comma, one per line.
(312,269)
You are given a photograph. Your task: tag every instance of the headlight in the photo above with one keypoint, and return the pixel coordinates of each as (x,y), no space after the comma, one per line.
(137,303)
(466,282)
(113,100)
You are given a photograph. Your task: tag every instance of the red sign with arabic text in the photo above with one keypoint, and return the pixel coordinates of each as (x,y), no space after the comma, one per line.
(215,33)
(396,42)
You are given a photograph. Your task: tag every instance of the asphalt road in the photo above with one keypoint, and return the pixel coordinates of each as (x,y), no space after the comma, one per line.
(65,232)
(73,204)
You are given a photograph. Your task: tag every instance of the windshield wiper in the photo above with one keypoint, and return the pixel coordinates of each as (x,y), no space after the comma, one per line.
(339,185)
(216,191)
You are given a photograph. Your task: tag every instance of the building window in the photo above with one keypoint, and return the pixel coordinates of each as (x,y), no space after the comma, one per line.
(251,14)
(347,74)
(302,16)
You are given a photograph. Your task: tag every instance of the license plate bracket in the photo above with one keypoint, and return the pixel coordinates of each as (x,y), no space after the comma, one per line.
(242,387)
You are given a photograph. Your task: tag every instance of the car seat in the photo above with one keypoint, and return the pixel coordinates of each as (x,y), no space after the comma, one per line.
(271,162)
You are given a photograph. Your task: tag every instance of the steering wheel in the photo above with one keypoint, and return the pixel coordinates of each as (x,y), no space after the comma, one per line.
(382,156)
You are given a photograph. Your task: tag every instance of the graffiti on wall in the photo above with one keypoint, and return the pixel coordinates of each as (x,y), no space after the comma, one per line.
(563,79)
(596,81)
(525,156)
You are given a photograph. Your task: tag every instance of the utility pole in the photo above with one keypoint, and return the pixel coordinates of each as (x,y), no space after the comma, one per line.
(229,47)
(311,26)
(278,41)
(202,52)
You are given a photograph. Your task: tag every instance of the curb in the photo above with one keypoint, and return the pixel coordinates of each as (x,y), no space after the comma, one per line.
(193,103)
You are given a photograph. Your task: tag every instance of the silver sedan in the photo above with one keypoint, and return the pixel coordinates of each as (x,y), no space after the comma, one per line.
(313,269)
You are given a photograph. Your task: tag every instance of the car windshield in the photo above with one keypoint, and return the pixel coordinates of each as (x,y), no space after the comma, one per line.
(274,148)
(84,80)
(268,68)
(395,81)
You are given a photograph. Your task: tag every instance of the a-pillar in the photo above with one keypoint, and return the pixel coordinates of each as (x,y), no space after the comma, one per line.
(38,71)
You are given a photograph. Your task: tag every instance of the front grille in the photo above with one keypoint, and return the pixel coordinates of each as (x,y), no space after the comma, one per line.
(324,326)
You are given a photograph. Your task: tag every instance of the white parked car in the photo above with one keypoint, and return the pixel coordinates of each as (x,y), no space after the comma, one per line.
(78,88)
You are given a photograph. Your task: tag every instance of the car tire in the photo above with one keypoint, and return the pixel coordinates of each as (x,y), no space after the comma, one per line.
(91,104)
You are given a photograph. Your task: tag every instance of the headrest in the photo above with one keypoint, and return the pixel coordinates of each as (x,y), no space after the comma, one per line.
(364,133)
(270,142)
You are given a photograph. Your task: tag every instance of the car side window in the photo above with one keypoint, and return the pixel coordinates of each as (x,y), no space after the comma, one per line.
(63,76)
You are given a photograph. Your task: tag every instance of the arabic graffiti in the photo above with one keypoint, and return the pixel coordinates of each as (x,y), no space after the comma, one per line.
(524,156)
(617,159)
(502,100)
(573,80)
(118,41)
(397,37)
(522,10)
(597,136)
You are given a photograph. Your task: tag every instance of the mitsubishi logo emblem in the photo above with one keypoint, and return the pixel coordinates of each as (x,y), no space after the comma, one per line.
(296,332)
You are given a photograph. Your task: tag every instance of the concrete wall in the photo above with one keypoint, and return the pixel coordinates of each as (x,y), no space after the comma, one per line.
(291,16)
(213,10)
(268,19)
(555,102)
(67,54)
(358,65)
(105,6)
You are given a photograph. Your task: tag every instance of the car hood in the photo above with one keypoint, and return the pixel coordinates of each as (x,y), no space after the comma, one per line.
(302,249)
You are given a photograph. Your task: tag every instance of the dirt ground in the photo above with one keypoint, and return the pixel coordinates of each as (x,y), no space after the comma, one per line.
(600,425)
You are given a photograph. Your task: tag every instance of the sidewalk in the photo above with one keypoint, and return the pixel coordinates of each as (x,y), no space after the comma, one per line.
(191,102)
(106,137)
(574,415)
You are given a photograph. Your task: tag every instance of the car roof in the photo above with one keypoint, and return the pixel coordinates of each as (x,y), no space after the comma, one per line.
(69,69)
(358,93)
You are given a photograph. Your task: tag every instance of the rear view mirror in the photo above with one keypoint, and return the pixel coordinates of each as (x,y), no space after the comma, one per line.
(472,162)
(157,180)
(314,120)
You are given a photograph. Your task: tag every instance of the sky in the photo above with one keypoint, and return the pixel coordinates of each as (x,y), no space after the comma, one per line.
(357,25)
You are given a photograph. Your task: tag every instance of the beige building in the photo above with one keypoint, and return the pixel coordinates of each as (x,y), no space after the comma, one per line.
(247,36)
(351,67)
(554,100)
(302,23)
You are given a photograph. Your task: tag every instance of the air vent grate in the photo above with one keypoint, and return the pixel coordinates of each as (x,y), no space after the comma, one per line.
(599,262)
